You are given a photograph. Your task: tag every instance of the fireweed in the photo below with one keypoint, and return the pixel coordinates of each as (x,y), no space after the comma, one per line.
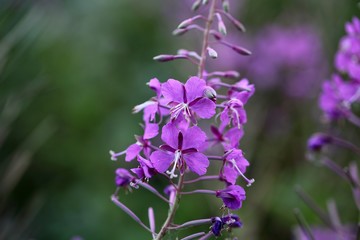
(176,114)
(339,100)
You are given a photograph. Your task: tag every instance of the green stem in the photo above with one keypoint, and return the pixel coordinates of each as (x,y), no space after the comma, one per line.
(172,209)
(201,68)
(205,43)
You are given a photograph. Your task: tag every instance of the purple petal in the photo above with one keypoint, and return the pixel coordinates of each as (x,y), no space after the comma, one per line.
(132,151)
(230,175)
(224,117)
(151,130)
(234,135)
(216,132)
(170,135)
(204,108)
(161,160)
(173,91)
(194,137)
(150,112)
(197,162)
(155,85)
(194,88)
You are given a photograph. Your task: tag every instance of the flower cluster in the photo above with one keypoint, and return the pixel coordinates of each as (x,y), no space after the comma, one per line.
(343,89)
(181,118)
(337,100)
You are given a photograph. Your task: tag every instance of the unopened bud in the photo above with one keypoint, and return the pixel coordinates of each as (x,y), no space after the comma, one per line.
(225,5)
(235,22)
(241,50)
(216,35)
(164,58)
(212,53)
(231,74)
(204,2)
(196,5)
(210,93)
(179,32)
(221,25)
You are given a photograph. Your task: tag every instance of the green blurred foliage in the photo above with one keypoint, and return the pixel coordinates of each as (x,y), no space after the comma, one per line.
(84,64)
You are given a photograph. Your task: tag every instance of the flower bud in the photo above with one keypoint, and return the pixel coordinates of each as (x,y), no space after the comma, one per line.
(225,5)
(317,141)
(196,5)
(240,50)
(212,53)
(164,58)
(210,93)
(221,25)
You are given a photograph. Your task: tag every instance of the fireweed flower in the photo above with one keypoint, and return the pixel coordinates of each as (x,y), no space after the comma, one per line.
(234,111)
(235,165)
(181,150)
(230,139)
(188,99)
(152,106)
(145,170)
(232,196)
(229,221)
(123,177)
(151,130)
(179,146)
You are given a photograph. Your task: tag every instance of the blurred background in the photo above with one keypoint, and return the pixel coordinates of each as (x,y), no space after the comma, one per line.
(71,71)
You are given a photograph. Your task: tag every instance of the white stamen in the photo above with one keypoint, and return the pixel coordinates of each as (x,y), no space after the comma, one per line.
(250,181)
(176,159)
(176,110)
(115,155)
(237,117)
(140,107)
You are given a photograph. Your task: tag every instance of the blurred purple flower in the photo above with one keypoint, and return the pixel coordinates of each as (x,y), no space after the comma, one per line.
(337,97)
(319,233)
(317,141)
(347,59)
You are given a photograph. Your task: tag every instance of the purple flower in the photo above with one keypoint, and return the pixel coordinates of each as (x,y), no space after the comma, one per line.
(229,139)
(320,233)
(243,96)
(123,177)
(317,141)
(217,226)
(232,196)
(181,150)
(188,99)
(145,170)
(234,166)
(152,106)
(337,97)
(347,58)
(151,130)
(232,221)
